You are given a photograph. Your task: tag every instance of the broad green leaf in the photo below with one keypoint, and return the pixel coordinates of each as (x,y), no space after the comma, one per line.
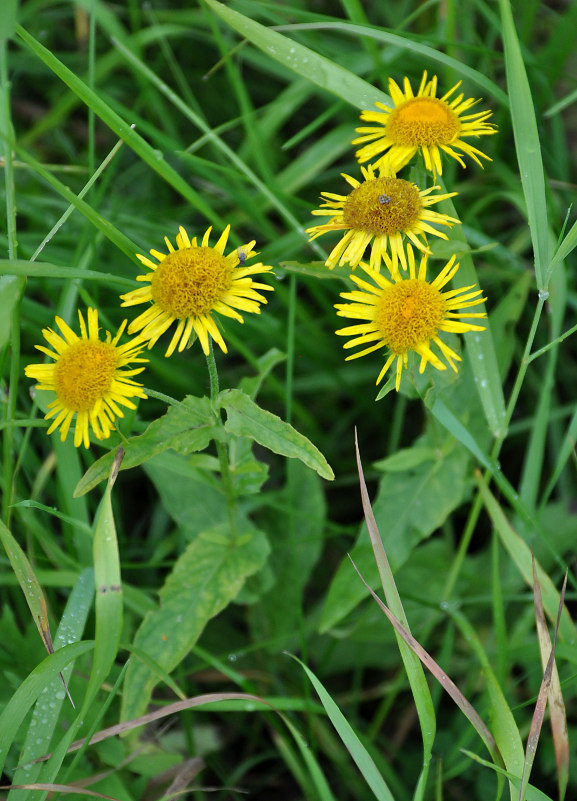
(409,506)
(246,419)
(297,521)
(21,702)
(204,580)
(191,495)
(354,746)
(189,426)
(406,459)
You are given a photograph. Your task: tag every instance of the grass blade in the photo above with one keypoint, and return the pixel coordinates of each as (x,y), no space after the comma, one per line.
(448,684)
(354,746)
(411,662)
(550,686)
(527,144)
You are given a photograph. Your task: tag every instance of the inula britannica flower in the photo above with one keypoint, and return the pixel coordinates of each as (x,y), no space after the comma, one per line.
(192,282)
(408,314)
(423,122)
(88,378)
(382,210)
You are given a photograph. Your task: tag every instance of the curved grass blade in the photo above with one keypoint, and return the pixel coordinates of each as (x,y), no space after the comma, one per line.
(40,269)
(331,76)
(448,684)
(357,750)
(300,59)
(411,662)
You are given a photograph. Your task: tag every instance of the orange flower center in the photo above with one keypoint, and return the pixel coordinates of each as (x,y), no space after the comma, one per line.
(423,121)
(383,206)
(84,374)
(408,314)
(189,282)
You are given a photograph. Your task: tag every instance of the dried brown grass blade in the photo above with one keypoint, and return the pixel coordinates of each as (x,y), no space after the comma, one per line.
(550,690)
(447,683)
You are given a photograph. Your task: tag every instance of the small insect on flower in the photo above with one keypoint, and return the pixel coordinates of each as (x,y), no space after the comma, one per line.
(87,378)
(423,122)
(408,314)
(382,210)
(192,282)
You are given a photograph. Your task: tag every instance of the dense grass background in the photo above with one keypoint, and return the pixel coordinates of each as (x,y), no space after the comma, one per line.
(250,132)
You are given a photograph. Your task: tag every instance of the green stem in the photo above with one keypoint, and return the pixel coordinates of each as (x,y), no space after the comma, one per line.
(221,447)
(7,140)
(290,348)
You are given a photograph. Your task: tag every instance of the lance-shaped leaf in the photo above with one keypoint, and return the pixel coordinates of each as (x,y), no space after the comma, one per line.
(186,427)
(246,419)
(32,590)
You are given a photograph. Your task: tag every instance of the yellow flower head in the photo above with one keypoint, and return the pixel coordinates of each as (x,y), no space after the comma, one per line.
(423,122)
(88,378)
(408,314)
(382,209)
(192,282)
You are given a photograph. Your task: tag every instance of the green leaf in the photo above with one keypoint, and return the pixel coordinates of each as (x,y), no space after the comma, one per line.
(408,508)
(246,419)
(189,426)
(480,345)
(298,541)
(108,585)
(191,495)
(522,558)
(29,584)
(205,578)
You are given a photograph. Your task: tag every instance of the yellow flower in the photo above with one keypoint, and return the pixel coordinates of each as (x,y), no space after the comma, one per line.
(408,314)
(382,209)
(87,378)
(423,122)
(192,282)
